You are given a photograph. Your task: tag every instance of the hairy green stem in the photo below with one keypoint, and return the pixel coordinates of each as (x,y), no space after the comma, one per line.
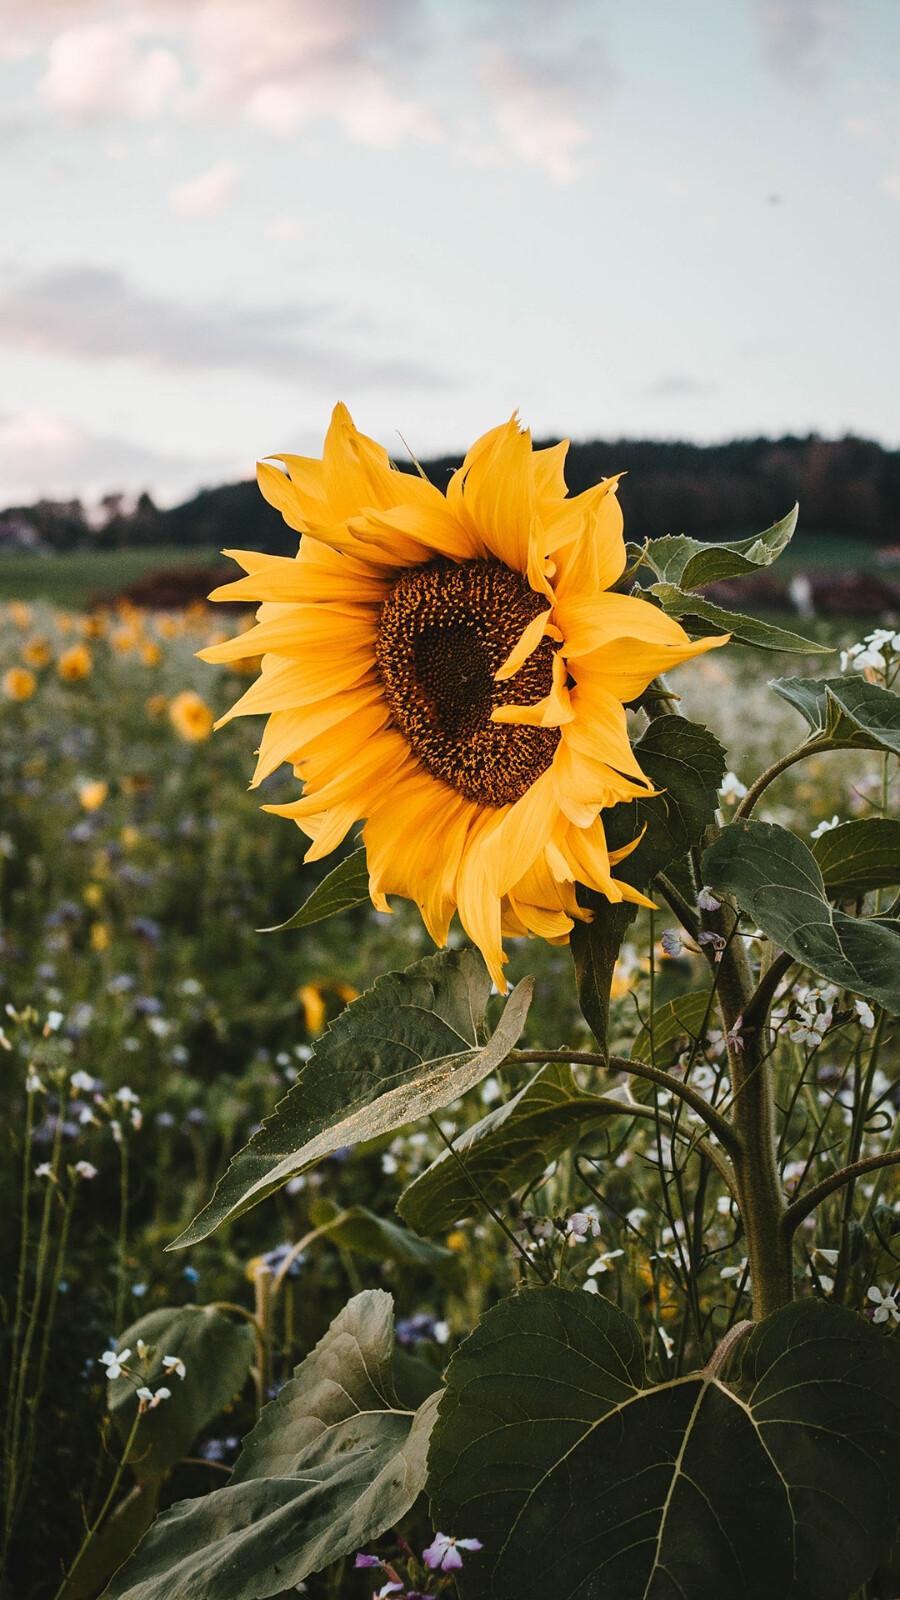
(812,747)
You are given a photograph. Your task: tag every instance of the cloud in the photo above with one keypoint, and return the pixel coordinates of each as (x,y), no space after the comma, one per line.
(793,36)
(197,197)
(92,314)
(100,70)
(42,454)
(280,64)
(533,111)
(680,386)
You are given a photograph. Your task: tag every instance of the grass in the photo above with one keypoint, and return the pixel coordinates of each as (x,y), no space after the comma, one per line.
(72,579)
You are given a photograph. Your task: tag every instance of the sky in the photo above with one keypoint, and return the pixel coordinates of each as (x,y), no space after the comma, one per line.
(624,218)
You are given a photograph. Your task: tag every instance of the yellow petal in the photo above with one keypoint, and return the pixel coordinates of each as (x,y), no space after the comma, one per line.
(554,711)
(493,493)
(525,646)
(296,630)
(306,577)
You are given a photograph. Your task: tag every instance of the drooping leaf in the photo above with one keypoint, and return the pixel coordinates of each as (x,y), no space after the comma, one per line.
(691,564)
(685,762)
(345,886)
(702,618)
(776,880)
(217,1354)
(579,1481)
(859,857)
(402,1050)
(333,1461)
(379,1239)
(848,710)
(595,950)
(676,1027)
(506,1150)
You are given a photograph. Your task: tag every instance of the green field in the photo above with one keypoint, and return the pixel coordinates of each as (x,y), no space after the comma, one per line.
(73,578)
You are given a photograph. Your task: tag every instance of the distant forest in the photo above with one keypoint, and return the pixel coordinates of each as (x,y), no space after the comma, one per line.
(849,487)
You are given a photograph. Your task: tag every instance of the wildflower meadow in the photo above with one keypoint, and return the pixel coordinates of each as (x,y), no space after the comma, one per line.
(472,1206)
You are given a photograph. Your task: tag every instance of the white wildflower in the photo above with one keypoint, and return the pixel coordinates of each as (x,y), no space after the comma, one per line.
(825,827)
(176,1365)
(885,1304)
(114,1362)
(731,789)
(85,1169)
(865,1013)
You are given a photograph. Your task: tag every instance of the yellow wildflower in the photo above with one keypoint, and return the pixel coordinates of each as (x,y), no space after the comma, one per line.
(75,663)
(191,716)
(19,683)
(37,652)
(314,1009)
(92,793)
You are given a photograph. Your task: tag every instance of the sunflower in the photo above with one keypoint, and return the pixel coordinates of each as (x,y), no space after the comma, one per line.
(453,668)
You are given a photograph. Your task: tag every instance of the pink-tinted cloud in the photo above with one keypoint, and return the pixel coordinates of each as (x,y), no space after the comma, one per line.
(208,192)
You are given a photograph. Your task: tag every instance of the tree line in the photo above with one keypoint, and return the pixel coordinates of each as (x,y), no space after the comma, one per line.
(848,487)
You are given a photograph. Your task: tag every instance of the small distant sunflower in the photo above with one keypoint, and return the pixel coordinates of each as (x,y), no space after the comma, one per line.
(453,669)
(18,683)
(75,664)
(191,716)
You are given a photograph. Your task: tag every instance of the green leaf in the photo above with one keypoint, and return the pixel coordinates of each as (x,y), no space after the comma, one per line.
(859,857)
(217,1355)
(345,886)
(685,762)
(382,1240)
(333,1461)
(702,618)
(690,563)
(402,1050)
(506,1150)
(595,950)
(848,710)
(579,1481)
(777,881)
(676,1027)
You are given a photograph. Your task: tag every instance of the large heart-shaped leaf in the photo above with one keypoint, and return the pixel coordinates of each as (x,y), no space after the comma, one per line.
(859,857)
(217,1355)
(506,1150)
(402,1050)
(333,1461)
(702,618)
(847,710)
(776,880)
(685,762)
(580,1482)
(691,564)
(345,886)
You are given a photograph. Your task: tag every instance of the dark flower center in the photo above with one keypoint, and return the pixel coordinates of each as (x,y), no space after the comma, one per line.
(444,631)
